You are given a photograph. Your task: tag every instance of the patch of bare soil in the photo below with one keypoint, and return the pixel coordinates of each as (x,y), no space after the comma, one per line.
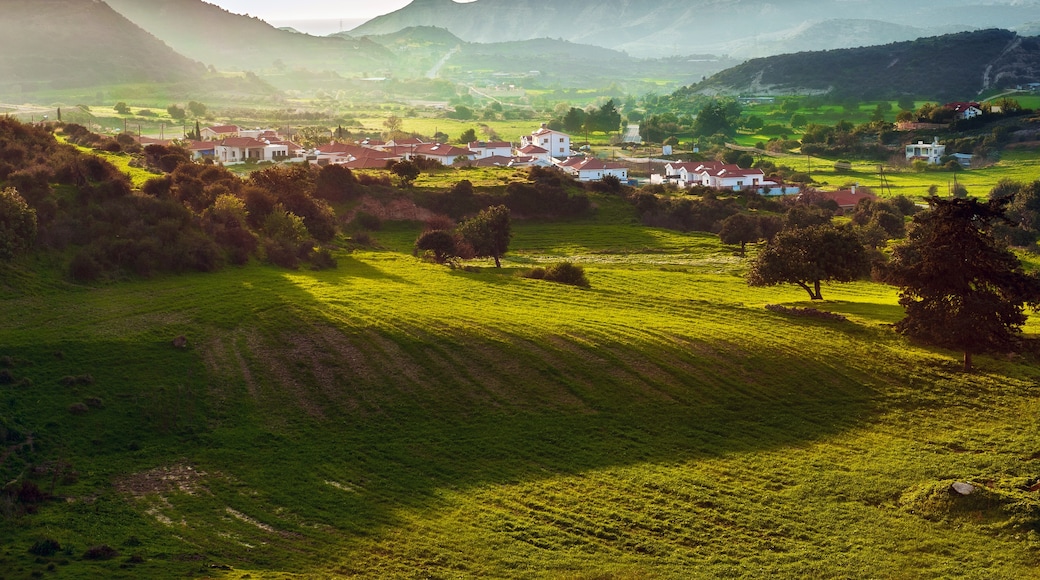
(163,480)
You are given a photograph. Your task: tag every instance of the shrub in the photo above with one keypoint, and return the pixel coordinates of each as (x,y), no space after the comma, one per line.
(45,548)
(367,221)
(102,552)
(6,377)
(323,260)
(562,273)
(84,268)
(94,402)
(78,409)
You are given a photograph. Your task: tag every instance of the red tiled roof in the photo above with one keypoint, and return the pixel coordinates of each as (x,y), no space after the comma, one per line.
(961,107)
(242,142)
(493,161)
(847,197)
(593,164)
(489,145)
(201,145)
(367,163)
(439,150)
(224,129)
(533,150)
(735,171)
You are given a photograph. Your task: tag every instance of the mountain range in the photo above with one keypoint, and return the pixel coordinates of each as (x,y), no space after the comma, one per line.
(738,28)
(952,67)
(55,44)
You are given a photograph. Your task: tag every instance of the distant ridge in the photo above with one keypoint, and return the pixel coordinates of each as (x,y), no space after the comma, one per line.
(949,67)
(660,28)
(55,44)
(230,41)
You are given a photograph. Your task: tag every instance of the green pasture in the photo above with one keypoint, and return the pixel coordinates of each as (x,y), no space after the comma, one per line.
(392,418)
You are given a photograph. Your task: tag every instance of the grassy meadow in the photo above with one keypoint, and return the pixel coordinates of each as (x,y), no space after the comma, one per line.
(392,418)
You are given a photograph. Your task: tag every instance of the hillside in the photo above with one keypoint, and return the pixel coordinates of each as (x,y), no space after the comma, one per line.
(230,41)
(55,44)
(949,67)
(741,28)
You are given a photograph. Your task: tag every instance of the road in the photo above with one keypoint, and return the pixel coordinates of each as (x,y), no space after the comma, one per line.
(631,135)
(436,70)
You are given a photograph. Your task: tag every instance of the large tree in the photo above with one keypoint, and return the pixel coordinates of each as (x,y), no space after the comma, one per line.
(809,256)
(961,288)
(488,233)
(17,224)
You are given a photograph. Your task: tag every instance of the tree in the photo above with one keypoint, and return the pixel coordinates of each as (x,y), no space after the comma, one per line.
(809,256)
(440,243)
(392,124)
(961,289)
(488,233)
(468,136)
(122,108)
(711,120)
(197,109)
(462,113)
(574,120)
(176,112)
(17,224)
(739,228)
(408,171)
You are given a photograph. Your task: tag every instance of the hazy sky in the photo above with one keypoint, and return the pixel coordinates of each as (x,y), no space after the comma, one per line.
(310,9)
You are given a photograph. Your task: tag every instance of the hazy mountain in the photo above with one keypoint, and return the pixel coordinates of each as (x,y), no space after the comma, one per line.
(234,42)
(668,27)
(47,44)
(949,67)
(833,34)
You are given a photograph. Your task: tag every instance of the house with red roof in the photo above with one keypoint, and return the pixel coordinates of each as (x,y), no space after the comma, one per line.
(965,111)
(218,132)
(485,149)
(235,150)
(535,152)
(557,143)
(848,199)
(592,169)
(445,154)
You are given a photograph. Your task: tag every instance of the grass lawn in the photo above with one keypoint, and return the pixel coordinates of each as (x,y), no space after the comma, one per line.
(397,419)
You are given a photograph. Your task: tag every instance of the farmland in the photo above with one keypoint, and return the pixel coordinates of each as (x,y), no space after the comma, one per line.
(393,418)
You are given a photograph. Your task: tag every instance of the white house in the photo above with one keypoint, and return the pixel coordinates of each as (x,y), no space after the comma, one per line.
(557,143)
(734,178)
(930,152)
(219,132)
(241,149)
(965,110)
(535,152)
(484,149)
(592,169)
(445,154)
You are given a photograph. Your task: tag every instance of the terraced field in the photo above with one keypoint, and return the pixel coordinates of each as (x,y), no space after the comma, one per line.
(397,419)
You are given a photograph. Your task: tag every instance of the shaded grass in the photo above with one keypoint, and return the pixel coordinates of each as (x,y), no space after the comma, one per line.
(392,418)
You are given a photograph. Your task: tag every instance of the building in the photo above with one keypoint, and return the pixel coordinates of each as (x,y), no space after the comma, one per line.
(219,132)
(445,154)
(237,150)
(848,199)
(484,149)
(929,152)
(592,169)
(965,111)
(557,143)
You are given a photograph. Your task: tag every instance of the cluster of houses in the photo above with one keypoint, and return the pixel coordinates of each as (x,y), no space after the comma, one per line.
(721,176)
(544,147)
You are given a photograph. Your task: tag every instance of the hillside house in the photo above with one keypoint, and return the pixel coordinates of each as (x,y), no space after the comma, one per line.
(484,149)
(219,132)
(848,199)
(445,154)
(557,143)
(929,152)
(592,169)
(237,150)
(965,111)
(201,150)
(535,152)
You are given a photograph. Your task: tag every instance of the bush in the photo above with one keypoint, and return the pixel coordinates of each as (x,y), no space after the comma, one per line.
(562,273)
(323,260)
(102,552)
(45,548)
(78,409)
(367,221)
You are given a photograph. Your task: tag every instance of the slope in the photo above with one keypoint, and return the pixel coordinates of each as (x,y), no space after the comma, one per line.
(667,27)
(80,43)
(236,42)
(949,67)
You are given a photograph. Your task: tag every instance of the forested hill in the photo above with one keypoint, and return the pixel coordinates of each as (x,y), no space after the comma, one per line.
(950,67)
(744,28)
(74,43)
(235,42)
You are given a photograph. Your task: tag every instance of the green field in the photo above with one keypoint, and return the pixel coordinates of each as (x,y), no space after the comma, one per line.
(397,419)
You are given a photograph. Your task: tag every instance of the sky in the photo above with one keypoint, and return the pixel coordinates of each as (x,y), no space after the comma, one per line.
(313,16)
